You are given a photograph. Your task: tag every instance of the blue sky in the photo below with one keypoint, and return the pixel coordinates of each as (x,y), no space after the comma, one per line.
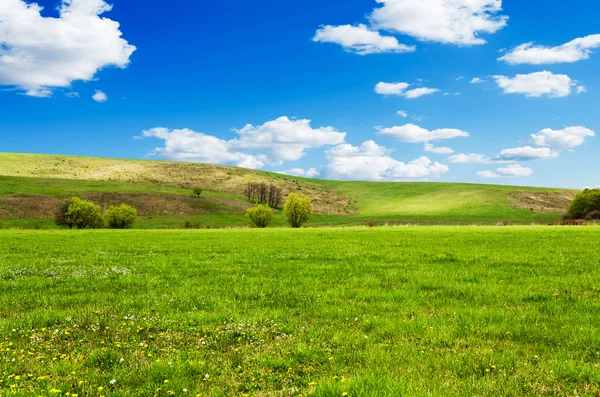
(235,82)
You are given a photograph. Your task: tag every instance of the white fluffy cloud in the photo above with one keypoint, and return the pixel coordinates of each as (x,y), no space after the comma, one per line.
(446,21)
(437,150)
(99,96)
(309,173)
(373,162)
(573,51)
(38,54)
(581,89)
(402,113)
(477,80)
(360,39)
(526,153)
(537,84)
(414,134)
(273,142)
(511,171)
(400,89)
(467,158)
(567,138)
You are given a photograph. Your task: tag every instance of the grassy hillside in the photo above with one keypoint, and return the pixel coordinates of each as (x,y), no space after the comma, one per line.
(31,186)
(386,312)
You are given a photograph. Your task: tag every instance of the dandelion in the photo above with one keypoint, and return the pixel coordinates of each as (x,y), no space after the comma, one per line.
(113,381)
(100,388)
(344,394)
(166,381)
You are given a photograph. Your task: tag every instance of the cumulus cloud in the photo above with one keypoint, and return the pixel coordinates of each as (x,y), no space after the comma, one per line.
(567,138)
(573,51)
(273,142)
(467,158)
(477,80)
(581,89)
(527,153)
(99,96)
(400,89)
(309,173)
(360,39)
(511,171)
(446,21)
(38,54)
(373,162)
(402,113)
(437,150)
(537,84)
(414,134)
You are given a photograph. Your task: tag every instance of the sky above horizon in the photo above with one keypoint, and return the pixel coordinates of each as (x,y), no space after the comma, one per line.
(478,91)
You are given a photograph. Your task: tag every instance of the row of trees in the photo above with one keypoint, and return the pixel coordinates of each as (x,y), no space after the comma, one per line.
(586,205)
(76,213)
(263,193)
(297,209)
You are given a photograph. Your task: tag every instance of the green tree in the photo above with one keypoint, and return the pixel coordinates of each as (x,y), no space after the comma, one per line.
(585,202)
(79,214)
(121,217)
(260,216)
(297,210)
(198,191)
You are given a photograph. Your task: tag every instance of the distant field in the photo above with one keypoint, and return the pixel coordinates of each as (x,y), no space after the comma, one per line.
(31,186)
(436,311)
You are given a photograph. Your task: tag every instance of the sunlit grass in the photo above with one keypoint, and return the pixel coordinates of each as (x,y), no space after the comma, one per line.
(436,311)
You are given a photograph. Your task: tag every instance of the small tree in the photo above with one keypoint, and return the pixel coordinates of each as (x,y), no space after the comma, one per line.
(585,202)
(298,210)
(80,214)
(60,218)
(260,216)
(197,191)
(121,217)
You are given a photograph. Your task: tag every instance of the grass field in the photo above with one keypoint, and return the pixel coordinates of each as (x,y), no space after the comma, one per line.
(421,311)
(31,186)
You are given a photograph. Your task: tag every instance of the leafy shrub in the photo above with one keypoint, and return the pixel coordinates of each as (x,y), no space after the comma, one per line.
(197,191)
(593,216)
(585,202)
(121,217)
(260,216)
(79,214)
(297,210)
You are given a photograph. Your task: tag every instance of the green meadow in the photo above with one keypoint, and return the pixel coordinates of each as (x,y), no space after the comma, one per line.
(388,311)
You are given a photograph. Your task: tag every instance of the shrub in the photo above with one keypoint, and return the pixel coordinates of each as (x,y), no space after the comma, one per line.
(297,210)
(260,216)
(585,202)
(593,216)
(191,225)
(197,191)
(372,222)
(80,214)
(121,217)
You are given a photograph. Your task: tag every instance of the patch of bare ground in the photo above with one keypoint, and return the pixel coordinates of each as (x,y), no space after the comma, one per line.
(145,203)
(554,203)
(210,177)
(28,207)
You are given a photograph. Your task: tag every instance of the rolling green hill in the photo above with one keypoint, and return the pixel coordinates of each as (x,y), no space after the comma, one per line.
(31,186)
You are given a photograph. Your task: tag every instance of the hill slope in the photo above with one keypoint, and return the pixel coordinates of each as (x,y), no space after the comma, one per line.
(32,185)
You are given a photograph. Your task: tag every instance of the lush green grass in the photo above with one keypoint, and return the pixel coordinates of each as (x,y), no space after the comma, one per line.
(436,311)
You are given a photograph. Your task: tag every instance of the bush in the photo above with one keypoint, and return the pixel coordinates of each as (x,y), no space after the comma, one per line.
(121,217)
(260,216)
(298,210)
(79,214)
(584,203)
(593,216)
(197,191)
